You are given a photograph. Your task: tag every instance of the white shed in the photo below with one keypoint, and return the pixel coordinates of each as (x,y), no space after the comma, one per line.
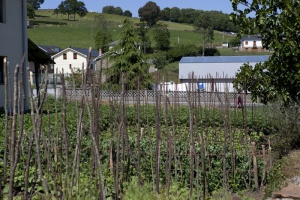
(214,73)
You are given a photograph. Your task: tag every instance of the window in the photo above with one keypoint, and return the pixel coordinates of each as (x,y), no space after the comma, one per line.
(65,56)
(92,66)
(2,10)
(74,56)
(246,42)
(2,63)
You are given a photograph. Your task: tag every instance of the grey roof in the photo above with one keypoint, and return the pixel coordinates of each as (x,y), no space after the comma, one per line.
(224,59)
(94,53)
(251,38)
(50,49)
(99,57)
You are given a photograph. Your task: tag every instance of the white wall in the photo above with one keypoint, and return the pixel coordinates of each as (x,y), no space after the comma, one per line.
(203,70)
(250,44)
(13,39)
(64,65)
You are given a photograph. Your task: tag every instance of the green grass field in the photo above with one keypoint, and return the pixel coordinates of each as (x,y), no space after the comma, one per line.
(81,32)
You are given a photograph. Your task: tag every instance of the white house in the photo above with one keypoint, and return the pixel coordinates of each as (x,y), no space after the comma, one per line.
(73,58)
(13,41)
(251,43)
(214,73)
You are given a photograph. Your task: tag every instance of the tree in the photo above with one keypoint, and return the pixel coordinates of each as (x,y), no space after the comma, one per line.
(187,15)
(127,13)
(70,7)
(143,37)
(30,11)
(165,14)
(108,9)
(128,59)
(102,37)
(174,14)
(118,11)
(149,13)
(203,24)
(278,24)
(36,4)
(161,36)
(160,60)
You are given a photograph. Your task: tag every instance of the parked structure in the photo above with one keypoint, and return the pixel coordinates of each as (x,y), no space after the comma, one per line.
(251,43)
(214,73)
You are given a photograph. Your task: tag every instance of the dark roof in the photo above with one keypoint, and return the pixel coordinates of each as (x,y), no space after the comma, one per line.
(224,59)
(94,53)
(50,49)
(251,38)
(99,57)
(36,54)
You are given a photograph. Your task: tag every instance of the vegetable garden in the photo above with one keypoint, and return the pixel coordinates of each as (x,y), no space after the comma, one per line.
(87,147)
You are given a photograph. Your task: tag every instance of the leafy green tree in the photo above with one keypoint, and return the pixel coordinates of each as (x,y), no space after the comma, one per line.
(160,60)
(127,58)
(36,4)
(161,36)
(149,13)
(174,14)
(278,24)
(30,11)
(108,9)
(118,11)
(165,14)
(143,37)
(103,37)
(187,15)
(72,7)
(203,24)
(127,13)
(236,41)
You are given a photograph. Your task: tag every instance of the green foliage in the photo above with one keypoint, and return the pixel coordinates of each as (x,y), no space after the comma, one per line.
(274,179)
(72,7)
(30,11)
(149,13)
(112,10)
(129,60)
(177,52)
(102,39)
(35,4)
(278,24)
(161,36)
(236,41)
(127,13)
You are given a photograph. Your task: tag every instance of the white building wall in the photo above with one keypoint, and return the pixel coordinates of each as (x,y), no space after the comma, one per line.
(64,65)
(250,44)
(13,39)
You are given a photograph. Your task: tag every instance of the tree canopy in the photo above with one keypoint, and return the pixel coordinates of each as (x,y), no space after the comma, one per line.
(112,10)
(129,60)
(278,24)
(127,13)
(149,13)
(203,24)
(72,7)
(36,4)
(161,36)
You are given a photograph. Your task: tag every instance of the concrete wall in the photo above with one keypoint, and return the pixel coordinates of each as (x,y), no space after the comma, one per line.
(13,39)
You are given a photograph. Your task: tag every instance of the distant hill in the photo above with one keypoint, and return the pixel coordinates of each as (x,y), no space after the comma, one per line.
(50,29)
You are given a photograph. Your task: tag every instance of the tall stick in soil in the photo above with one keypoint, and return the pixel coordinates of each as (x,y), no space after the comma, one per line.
(13,134)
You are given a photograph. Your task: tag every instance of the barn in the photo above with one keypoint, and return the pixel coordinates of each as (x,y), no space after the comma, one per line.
(214,73)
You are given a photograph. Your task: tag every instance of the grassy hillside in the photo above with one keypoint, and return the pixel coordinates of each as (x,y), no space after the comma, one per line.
(80,33)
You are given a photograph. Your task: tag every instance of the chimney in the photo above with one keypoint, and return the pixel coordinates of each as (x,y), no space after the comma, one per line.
(100,52)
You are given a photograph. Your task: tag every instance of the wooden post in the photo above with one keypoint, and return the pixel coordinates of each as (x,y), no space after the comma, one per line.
(265,162)
(255,166)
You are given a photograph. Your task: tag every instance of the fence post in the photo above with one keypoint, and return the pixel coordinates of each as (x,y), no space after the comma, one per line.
(255,166)
(264,168)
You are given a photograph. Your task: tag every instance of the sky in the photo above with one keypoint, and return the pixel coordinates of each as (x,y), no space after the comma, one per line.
(134,5)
